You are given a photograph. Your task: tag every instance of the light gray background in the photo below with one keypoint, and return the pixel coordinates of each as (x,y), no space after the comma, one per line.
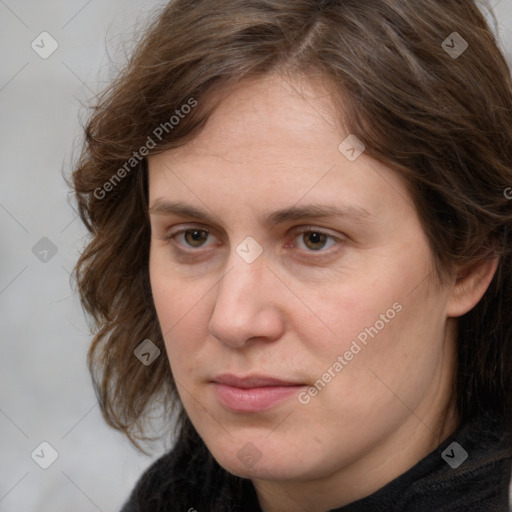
(45,390)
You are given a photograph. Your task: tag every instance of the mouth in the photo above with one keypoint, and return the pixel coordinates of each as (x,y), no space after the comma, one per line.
(253,393)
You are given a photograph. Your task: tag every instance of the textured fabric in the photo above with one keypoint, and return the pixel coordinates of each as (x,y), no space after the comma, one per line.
(188,478)
(479,484)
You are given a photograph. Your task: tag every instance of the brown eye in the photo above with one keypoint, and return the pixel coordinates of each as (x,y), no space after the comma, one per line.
(195,237)
(314,240)
(311,240)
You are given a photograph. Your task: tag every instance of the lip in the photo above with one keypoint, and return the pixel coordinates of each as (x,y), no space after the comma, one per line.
(253,393)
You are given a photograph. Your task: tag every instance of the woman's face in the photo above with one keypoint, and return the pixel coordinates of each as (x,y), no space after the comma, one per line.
(295,291)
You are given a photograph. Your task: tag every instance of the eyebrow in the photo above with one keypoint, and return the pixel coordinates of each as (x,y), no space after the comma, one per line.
(293,213)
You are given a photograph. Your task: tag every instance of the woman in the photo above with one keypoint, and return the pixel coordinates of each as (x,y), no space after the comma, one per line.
(300,217)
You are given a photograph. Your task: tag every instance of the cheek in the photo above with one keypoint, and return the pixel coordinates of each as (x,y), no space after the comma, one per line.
(346,312)
(174,304)
(386,320)
(396,354)
(174,298)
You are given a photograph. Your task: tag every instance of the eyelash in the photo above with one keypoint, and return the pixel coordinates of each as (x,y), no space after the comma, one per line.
(302,231)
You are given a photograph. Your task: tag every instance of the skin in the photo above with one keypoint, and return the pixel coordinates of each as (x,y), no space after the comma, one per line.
(291,312)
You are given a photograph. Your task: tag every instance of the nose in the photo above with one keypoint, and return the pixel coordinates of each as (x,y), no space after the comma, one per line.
(248,304)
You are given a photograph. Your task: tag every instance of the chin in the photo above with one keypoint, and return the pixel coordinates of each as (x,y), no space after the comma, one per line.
(265,461)
(261,470)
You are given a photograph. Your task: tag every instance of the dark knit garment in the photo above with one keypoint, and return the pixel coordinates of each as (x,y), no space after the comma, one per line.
(188,478)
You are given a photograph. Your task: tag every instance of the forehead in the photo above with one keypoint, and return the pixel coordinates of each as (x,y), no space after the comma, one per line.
(268,113)
(276,139)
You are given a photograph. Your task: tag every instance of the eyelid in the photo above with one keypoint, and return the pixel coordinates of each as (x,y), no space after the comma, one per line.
(176,230)
(316,229)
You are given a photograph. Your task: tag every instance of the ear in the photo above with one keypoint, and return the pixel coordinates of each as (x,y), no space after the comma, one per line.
(470,286)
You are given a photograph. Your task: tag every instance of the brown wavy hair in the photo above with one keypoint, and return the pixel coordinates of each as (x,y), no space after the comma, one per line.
(443,123)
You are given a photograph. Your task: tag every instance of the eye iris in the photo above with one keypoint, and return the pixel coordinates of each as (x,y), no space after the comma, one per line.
(195,237)
(317,240)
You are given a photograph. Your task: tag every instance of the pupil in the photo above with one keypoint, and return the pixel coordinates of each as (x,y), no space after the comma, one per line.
(316,239)
(196,236)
